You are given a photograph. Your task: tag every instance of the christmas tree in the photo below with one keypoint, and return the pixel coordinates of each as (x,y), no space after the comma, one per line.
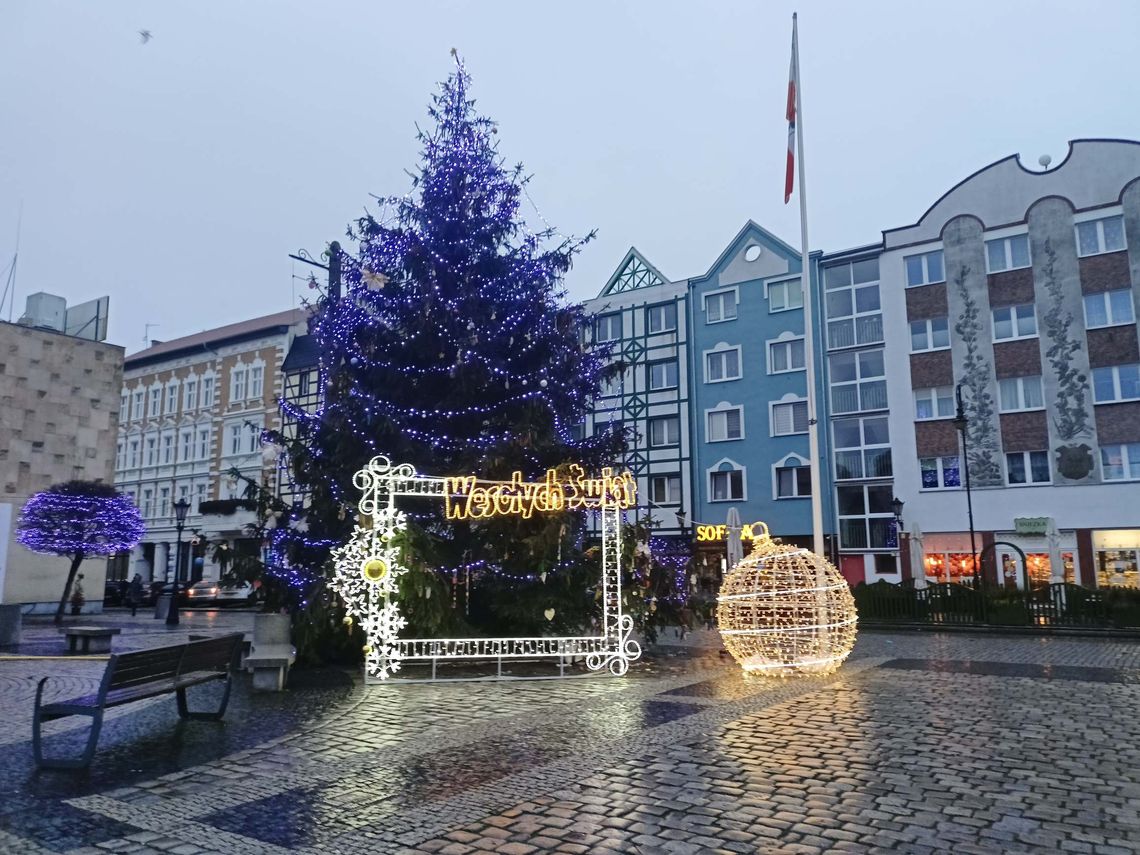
(451,347)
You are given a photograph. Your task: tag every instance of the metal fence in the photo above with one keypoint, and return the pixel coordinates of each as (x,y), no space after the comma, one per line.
(1054,605)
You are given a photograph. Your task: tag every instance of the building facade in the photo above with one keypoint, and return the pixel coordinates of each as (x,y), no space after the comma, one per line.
(191,413)
(59,399)
(1019,290)
(713,391)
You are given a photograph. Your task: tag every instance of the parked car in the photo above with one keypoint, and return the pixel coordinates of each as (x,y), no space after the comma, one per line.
(242,594)
(200,592)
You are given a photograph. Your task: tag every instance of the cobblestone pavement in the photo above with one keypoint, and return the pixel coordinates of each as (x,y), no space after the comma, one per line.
(920,743)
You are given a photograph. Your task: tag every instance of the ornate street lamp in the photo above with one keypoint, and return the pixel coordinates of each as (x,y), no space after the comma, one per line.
(962,424)
(896,508)
(180,509)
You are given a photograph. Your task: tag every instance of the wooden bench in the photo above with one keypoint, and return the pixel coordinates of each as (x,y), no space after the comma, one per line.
(137,675)
(91,639)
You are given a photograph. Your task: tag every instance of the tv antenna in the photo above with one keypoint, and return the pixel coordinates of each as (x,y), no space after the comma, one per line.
(146,334)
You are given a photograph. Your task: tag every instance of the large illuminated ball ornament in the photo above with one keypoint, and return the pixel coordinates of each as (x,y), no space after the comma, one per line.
(784,611)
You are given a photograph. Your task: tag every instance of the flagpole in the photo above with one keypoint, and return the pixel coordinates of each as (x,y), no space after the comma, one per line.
(809,301)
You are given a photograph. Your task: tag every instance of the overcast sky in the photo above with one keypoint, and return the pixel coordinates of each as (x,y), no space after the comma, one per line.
(176,176)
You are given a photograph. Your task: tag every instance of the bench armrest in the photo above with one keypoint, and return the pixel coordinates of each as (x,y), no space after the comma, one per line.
(40,690)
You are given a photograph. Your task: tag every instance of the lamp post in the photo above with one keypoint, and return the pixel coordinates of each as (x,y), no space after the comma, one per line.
(180,509)
(962,424)
(896,507)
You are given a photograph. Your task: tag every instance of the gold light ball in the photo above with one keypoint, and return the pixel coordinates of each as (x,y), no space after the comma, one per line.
(374,569)
(784,611)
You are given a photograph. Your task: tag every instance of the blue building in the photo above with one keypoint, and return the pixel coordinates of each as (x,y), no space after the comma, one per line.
(714,391)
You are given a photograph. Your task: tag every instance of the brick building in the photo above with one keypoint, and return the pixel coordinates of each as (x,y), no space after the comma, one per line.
(191,411)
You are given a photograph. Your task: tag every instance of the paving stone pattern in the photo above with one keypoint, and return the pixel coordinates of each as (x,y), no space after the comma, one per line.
(921,743)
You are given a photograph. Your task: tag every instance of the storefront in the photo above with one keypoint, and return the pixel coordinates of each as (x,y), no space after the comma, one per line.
(1050,553)
(947,557)
(1116,556)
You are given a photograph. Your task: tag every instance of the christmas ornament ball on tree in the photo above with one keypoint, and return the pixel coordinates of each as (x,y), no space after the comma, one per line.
(784,611)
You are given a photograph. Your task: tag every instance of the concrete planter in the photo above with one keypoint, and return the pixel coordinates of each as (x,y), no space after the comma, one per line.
(272,652)
(10,622)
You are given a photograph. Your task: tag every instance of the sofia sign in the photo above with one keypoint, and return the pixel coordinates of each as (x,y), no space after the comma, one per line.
(368,567)
(715,533)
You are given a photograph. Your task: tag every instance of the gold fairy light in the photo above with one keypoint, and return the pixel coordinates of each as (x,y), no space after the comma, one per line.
(784,611)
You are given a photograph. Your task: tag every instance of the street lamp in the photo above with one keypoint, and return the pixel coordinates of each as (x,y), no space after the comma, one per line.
(180,509)
(962,424)
(896,508)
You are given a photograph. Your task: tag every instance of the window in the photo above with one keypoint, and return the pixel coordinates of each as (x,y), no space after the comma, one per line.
(607,327)
(862,448)
(138,405)
(256,373)
(857,382)
(1020,393)
(662,375)
(152,451)
(789,418)
(723,425)
(665,489)
(172,399)
(1121,462)
(661,318)
(854,313)
(203,443)
(663,431)
(931,334)
(1109,308)
(124,406)
(155,403)
(726,484)
(163,501)
(940,473)
(1116,383)
(785,356)
(1097,236)
(237,384)
(186,444)
(200,495)
(1010,253)
(722,365)
(793,482)
(720,306)
(148,503)
(934,403)
(611,385)
(1027,467)
(866,519)
(235,439)
(924,268)
(207,392)
(785,295)
(168,448)
(189,395)
(253,438)
(1012,322)
(133,460)
(120,455)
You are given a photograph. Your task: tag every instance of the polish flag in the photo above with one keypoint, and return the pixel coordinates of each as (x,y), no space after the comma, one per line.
(792,83)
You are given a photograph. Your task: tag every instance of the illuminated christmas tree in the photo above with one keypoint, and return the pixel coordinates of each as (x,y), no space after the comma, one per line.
(450,346)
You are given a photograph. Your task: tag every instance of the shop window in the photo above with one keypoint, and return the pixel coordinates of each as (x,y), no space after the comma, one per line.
(1117,568)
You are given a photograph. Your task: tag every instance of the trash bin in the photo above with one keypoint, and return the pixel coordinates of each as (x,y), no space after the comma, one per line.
(162,606)
(10,618)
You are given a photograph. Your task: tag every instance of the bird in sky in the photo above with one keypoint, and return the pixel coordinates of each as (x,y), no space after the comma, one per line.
(145,36)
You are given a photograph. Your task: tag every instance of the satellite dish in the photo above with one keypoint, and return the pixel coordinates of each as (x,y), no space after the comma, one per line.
(1044,160)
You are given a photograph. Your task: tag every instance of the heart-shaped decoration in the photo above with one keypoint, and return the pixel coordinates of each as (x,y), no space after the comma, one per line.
(549,613)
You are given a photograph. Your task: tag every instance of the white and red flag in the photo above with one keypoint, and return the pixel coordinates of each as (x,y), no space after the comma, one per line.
(793,84)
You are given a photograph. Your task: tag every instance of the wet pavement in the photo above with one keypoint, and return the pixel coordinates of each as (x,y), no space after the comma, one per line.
(920,743)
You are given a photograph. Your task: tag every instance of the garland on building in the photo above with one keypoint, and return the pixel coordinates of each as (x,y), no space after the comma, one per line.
(451,347)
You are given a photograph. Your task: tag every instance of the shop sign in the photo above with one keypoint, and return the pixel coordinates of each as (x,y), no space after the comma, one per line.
(1031,525)
(717,533)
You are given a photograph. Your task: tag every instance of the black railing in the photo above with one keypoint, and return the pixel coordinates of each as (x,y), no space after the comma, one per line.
(1052,605)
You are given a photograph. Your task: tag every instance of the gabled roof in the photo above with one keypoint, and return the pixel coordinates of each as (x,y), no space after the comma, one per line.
(634,272)
(304,354)
(751,227)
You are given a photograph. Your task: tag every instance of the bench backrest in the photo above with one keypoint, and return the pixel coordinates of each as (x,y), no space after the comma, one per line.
(156,664)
